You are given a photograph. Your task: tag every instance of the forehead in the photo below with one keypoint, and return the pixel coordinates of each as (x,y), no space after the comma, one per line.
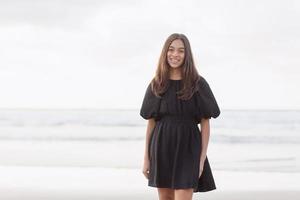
(177,44)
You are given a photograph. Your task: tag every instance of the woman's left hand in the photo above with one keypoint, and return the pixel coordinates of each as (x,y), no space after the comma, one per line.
(201,167)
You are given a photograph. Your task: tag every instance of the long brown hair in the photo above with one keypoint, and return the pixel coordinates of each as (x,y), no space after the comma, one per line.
(190,76)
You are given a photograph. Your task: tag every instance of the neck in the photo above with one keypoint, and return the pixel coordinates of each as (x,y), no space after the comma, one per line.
(175,73)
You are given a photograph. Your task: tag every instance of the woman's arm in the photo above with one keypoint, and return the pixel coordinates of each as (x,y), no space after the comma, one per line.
(146,165)
(150,126)
(205,131)
(204,138)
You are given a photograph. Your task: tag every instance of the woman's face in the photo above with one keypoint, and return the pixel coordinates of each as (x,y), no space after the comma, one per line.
(176,53)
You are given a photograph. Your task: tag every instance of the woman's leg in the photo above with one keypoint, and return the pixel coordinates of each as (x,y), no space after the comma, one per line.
(165,194)
(184,194)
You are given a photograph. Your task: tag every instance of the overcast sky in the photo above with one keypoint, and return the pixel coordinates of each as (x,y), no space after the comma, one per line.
(102,54)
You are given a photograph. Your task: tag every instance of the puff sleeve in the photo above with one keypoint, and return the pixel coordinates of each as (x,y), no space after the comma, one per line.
(207,105)
(150,105)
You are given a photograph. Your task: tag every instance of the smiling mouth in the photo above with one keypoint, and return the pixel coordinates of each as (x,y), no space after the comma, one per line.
(174,61)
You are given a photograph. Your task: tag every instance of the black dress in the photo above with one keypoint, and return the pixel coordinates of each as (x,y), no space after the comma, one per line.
(175,142)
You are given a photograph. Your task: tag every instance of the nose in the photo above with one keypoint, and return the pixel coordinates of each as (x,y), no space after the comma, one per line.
(174,53)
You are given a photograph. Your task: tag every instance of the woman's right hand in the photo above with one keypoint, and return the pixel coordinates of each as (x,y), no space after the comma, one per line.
(146,168)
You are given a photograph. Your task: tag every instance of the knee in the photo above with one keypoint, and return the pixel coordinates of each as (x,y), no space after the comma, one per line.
(166,194)
(166,197)
(184,194)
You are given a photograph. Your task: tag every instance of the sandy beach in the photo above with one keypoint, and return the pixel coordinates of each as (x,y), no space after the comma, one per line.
(57,183)
(84,170)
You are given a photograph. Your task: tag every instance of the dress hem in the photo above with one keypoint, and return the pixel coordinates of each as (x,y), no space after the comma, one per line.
(182,187)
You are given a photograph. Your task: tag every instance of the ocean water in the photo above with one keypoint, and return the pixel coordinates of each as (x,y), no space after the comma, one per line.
(240,140)
(232,126)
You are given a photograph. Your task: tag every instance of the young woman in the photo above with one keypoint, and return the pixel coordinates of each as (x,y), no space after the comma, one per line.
(176,101)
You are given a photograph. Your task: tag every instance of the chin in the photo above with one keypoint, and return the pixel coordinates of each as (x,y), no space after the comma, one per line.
(175,66)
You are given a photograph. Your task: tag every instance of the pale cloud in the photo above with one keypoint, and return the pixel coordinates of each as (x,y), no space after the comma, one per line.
(73,52)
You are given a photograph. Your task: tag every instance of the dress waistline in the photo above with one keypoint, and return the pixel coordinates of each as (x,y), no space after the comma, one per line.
(179,118)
